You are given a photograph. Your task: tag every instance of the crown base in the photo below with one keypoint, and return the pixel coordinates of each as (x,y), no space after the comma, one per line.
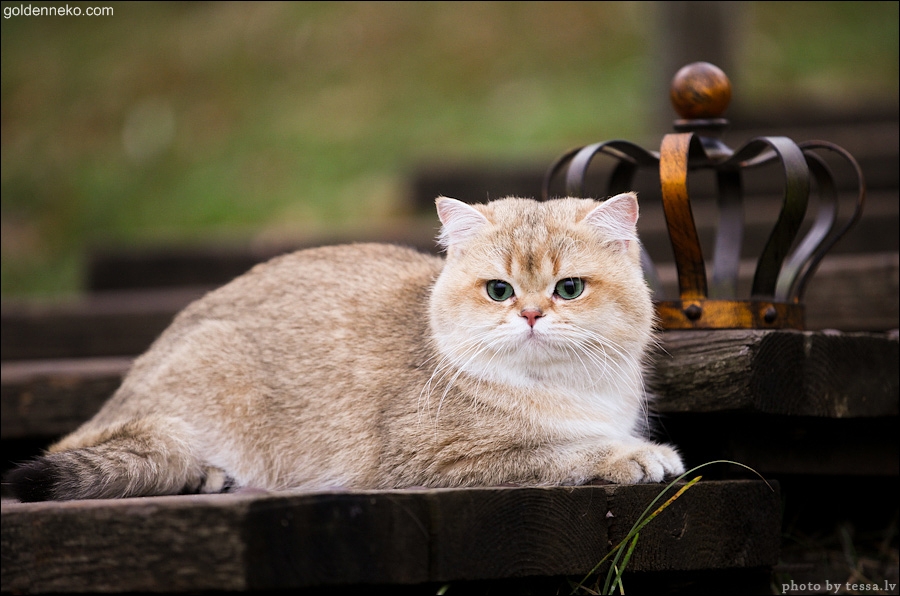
(730,314)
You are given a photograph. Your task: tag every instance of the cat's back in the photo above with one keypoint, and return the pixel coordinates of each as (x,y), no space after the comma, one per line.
(323,283)
(294,325)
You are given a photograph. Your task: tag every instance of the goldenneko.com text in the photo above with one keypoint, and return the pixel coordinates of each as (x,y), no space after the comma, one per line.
(27,10)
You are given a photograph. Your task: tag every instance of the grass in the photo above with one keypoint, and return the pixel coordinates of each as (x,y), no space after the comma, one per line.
(620,554)
(171,123)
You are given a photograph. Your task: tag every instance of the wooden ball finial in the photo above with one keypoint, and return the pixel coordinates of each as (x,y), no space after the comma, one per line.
(700,90)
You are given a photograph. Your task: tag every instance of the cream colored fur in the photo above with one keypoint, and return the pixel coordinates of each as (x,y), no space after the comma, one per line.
(373,366)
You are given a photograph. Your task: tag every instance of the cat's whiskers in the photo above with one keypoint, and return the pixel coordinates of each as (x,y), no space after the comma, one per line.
(588,383)
(456,363)
(634,367)
(597,348)
(616,370)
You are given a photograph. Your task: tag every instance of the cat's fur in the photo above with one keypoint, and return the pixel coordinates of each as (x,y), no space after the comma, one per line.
(373,366)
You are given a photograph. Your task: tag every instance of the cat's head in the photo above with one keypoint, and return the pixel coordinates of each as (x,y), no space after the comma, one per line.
(542,292)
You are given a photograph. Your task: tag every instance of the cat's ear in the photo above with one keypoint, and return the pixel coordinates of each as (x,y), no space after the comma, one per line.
(460,221)
(616,218)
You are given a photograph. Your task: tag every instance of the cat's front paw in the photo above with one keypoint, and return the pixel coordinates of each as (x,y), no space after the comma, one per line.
(641,462)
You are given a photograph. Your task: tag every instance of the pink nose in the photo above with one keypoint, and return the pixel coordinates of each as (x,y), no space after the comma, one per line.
(532,315)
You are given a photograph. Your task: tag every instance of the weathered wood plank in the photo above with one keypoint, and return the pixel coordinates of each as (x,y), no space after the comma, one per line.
(824,374)
(123,546)
(49,398)
(106,324)
(171,266)
(820,374)
(855,293)
(278,541)
(153,267)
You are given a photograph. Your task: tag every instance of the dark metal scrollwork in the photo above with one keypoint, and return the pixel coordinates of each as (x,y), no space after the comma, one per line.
(700,93)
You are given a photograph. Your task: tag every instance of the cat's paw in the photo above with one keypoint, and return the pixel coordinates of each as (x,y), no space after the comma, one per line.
(215,480)
(641,462)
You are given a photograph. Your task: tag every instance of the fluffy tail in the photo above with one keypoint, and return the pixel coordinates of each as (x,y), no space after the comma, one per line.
(141,457)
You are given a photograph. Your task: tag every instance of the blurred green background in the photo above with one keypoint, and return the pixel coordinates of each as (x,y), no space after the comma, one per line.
(229,122)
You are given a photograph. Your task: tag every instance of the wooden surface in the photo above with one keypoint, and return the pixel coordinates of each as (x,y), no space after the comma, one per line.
(48,398)
(820,374)
(271,541)
(812,373)
(108,324)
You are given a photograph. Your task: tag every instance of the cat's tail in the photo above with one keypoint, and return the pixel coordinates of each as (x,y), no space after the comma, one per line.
(141,457)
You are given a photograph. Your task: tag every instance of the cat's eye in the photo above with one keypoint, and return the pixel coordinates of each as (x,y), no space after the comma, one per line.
(570,288)
(499,290)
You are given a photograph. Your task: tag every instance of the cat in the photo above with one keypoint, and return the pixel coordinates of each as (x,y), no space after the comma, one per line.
(515,359)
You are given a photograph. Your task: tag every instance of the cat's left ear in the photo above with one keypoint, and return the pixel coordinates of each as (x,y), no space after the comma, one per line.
(460,221)
(616,218)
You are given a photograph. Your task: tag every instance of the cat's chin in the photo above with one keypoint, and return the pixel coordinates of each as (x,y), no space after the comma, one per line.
(532,369)
(527,360)
(540,347)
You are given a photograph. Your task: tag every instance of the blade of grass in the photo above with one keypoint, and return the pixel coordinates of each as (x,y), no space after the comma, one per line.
(616,551)
(613,579)
(637,527)
(646,516)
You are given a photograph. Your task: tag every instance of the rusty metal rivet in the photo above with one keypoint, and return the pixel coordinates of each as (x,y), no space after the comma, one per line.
(693,312)
(770,315)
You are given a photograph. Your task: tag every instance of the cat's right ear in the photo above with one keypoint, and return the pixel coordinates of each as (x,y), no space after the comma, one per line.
(460,221)
(616,218)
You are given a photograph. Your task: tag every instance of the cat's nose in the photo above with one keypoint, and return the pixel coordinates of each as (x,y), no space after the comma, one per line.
(531,315)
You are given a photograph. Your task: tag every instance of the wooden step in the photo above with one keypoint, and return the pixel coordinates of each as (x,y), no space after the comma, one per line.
(788,373)
(824,374)
(266,541)
(776,400)
(103,324)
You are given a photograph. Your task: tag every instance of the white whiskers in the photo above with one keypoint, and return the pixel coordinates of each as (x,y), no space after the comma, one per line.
(566,358)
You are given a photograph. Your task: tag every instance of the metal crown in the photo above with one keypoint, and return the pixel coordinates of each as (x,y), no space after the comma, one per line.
(700,93)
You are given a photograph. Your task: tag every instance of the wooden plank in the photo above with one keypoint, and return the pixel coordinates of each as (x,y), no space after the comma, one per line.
(117,268)
(279,541)
(108,324)
(822,374)
(857,292)
(812,373)
(49,398)
(122,546)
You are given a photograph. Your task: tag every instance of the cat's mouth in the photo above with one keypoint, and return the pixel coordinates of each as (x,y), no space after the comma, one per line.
(538,341)
(533,335)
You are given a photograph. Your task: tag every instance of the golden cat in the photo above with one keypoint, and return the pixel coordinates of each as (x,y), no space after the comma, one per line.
(517,359)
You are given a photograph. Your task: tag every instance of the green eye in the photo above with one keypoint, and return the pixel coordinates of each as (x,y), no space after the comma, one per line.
(499,290)
(570,288)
